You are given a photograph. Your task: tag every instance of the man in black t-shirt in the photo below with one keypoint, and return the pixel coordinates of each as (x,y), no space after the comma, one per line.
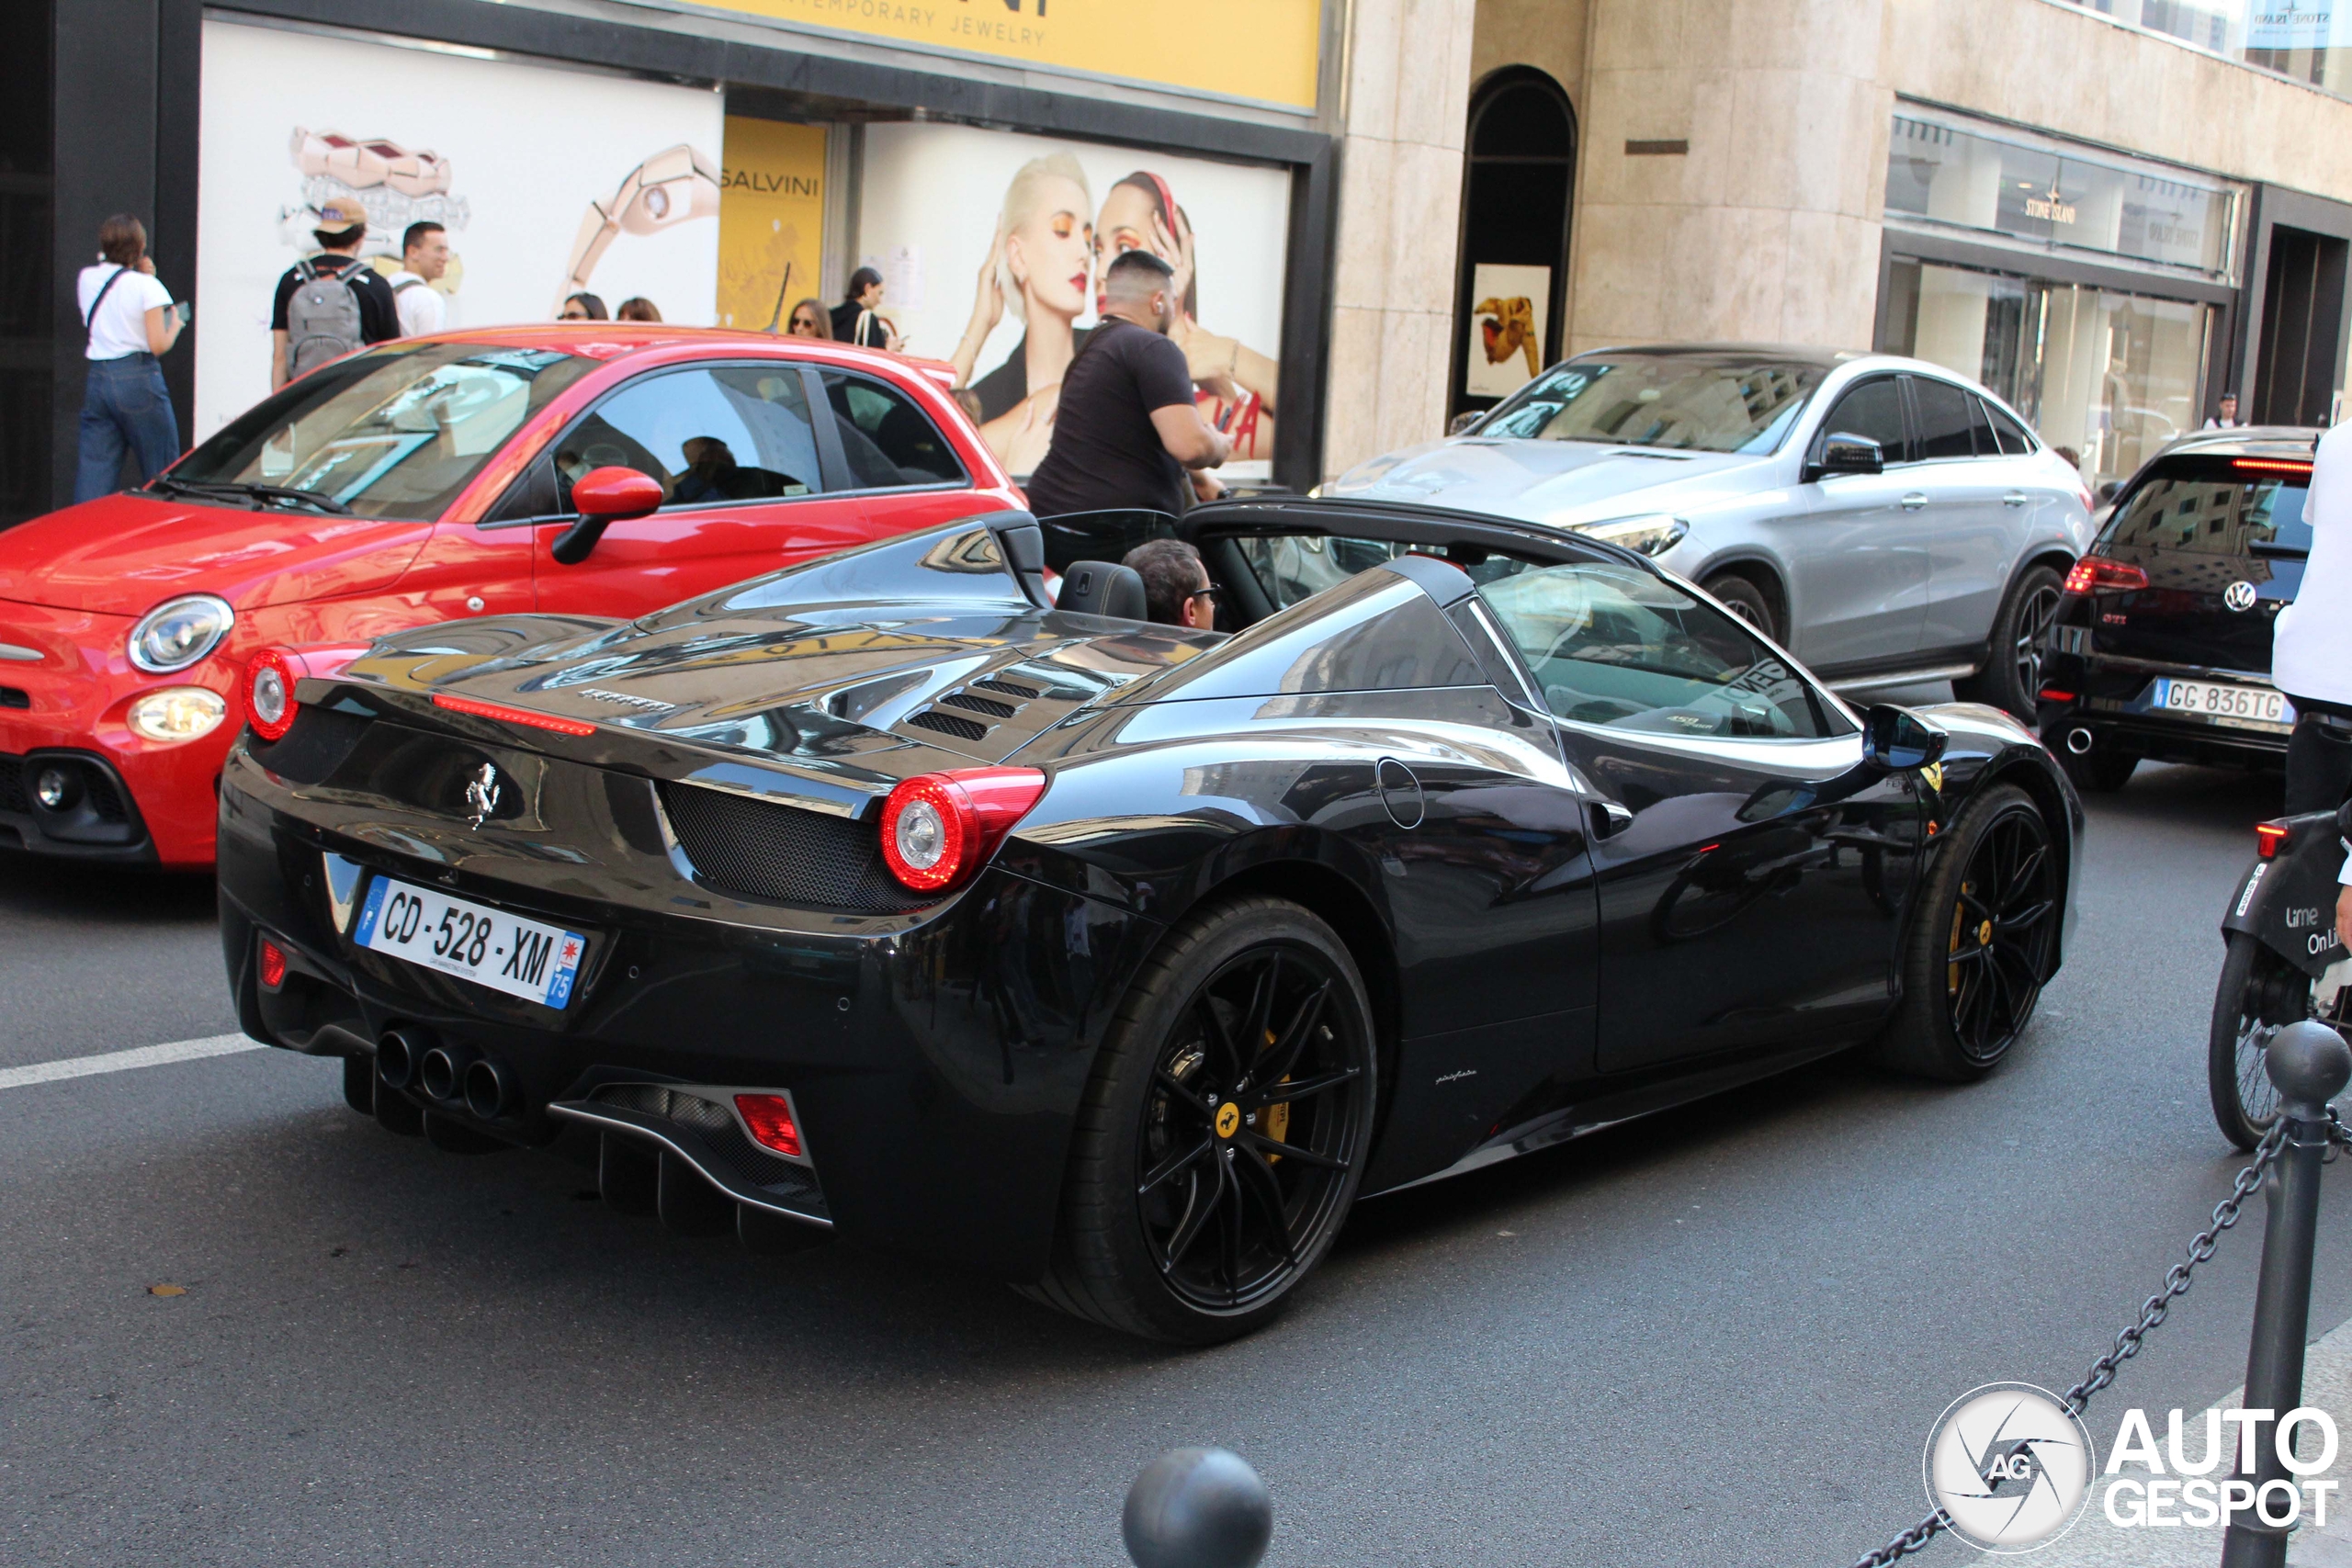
(1125,427)
(341,229)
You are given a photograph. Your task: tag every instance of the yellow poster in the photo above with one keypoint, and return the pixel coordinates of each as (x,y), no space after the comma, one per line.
(771,217)
(1265,50)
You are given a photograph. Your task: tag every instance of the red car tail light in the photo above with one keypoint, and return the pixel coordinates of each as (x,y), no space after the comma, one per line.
(769,1116)
(2286,466)
(939,828)
(269,694)
(2270,837)
(273,964)
(2053,695)
(512,716)
(2097,574)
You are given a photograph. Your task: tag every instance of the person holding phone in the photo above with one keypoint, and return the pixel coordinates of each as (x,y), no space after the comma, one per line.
(131,319)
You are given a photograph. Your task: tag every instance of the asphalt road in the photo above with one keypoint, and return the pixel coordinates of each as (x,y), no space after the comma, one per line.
(1715,1337)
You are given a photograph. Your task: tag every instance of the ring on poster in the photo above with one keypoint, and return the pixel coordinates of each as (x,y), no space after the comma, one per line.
(1032,224)
(1506,344)
(671,186)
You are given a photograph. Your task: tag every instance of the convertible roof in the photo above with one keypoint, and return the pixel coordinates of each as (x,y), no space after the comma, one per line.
(1405,522)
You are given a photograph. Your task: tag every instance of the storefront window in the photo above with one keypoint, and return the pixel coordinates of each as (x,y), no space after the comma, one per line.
(1945,174)
(2308,40)
(2109,376)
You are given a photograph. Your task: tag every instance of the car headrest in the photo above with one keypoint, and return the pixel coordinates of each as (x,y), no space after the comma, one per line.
(1101,588)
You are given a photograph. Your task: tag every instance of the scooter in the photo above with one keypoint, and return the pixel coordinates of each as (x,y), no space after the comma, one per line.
(2284,964)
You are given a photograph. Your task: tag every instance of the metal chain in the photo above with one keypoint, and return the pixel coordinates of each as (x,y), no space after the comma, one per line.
(2152,1315)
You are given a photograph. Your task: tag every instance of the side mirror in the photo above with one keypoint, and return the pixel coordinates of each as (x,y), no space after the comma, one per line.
(1842,454)
(603,497)
(1464,421)
(1899,740)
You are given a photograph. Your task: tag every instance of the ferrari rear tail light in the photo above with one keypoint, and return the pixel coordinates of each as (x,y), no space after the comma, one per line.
(269,694)
(512,716)
(939,828)
(2098,574)
(769,1116)
(2270,837)
(273,964)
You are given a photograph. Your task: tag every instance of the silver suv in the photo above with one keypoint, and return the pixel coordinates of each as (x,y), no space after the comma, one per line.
(1881,518)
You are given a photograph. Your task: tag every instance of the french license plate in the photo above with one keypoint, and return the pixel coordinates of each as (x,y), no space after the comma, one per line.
(2248,708)
(488,946)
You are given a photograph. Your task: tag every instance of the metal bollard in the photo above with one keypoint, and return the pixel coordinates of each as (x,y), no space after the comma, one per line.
(1198,1508)
(2310,1062)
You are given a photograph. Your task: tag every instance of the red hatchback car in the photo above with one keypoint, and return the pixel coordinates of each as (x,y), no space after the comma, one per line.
(424,481)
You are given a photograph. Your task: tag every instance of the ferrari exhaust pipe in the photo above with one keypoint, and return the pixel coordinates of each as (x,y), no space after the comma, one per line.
(2080,740)
(490,1088)
(399,1054)
(442,1073)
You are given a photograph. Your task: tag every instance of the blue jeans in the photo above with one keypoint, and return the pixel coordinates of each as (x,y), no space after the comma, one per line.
(125,408)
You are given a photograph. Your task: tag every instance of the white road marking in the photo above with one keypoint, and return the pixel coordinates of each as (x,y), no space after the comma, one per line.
(123,1061)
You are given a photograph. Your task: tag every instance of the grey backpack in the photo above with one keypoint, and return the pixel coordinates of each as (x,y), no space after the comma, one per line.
(322,317)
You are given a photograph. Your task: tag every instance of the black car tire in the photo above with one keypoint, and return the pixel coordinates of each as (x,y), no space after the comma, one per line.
(1129,1168)
(1979,945)
(1743,598)
(2105,771)
(2011,678)
(2258,988)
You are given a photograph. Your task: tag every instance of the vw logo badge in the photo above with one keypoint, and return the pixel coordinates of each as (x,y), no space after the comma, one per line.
(2239,595)
(482,795)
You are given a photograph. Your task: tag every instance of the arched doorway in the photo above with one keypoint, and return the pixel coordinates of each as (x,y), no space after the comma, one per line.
(1519,175)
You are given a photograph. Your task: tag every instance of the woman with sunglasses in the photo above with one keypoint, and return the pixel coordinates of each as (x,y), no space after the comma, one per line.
(583,308)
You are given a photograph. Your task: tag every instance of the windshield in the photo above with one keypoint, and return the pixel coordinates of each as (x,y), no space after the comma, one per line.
(2222,507)
(391,433)
(1694,402)
(1613,646)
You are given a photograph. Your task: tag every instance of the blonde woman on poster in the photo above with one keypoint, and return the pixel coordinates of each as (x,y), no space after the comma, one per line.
(1236,385)
(1039,266)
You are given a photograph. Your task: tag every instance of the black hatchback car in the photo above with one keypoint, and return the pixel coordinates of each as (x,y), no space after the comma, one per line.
(2161,646)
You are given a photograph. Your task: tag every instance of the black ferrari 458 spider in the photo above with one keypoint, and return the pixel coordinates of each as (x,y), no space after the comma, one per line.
(882,896)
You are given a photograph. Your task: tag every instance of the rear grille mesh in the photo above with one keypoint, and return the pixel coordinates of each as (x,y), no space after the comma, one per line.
(12,784)
(792,1184)
(988,706)
(949,724)
(319,741)
(1010,688)
(764,849)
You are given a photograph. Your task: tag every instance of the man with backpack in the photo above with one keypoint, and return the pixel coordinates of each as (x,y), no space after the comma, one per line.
(332,303)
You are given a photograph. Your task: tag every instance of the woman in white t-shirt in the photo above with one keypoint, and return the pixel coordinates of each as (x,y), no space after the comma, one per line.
(131,319)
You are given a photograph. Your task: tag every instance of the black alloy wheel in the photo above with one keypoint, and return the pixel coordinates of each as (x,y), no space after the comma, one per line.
(1981,943)
(2011,678)
(1225,1130)
(2260,993)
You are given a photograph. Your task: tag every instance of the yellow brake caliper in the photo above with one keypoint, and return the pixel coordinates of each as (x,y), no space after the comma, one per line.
(1958,922)
(1275,1119)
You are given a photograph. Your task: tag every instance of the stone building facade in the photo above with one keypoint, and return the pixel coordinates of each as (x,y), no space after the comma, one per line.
(2110,225)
